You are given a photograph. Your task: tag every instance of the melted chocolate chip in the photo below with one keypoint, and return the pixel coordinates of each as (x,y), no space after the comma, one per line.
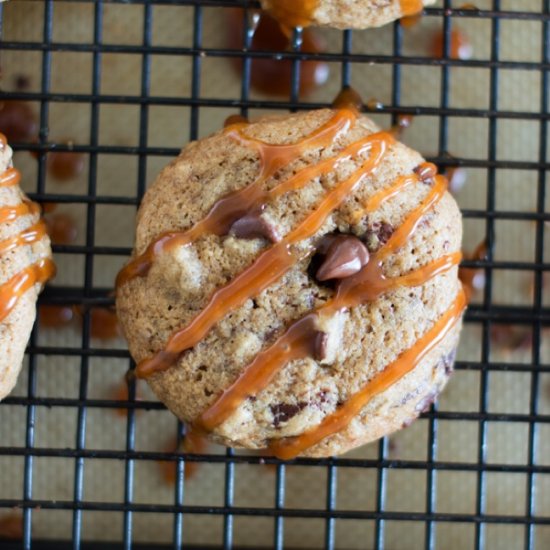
(426,172)
(378,234)
(282,412)
(253,226)
(345,256)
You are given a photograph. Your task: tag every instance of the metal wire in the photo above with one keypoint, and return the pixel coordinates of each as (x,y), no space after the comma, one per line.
(484,315)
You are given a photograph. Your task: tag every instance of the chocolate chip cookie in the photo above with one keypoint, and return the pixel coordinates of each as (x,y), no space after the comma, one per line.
(25,265)
(294,284)
(342,14)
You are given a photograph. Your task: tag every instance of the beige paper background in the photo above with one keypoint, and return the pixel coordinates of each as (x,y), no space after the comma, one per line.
(509,392)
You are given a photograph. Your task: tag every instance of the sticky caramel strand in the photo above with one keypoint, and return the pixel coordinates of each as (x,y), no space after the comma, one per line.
(366,285)
(287,448)
(271,265)
(38,273)
(228,209)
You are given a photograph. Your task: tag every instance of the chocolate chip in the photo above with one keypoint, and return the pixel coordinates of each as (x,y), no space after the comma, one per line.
(426,172)
(378,234)
(282,412)
(346,255)
(320,346)
(253,226)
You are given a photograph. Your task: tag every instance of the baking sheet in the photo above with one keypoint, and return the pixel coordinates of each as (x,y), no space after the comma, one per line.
(509,392)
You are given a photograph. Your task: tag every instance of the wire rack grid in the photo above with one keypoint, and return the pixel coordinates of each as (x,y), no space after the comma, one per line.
(483,315)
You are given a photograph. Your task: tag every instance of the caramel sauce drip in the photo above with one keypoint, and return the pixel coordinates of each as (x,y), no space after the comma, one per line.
(366,285)
(29,236)
(228,209)
(9,214)
(269,267)
(293,13)
(14,288)
(193,443)
(411,7)
(288,448)
(231,120)
(348,98)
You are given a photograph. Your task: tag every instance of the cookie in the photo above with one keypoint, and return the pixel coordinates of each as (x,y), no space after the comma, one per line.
(25,265)
(294,284)
(342,14)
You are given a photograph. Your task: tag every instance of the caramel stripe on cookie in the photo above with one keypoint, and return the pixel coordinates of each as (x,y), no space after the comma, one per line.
(287,448)
(10,178)
(12,290)
(228,209)
(9,214)
(298,341)
(269,267)
(38,273)
(28,236)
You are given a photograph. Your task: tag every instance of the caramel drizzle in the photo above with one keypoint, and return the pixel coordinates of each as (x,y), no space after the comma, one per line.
(372,204)
(297,342)
(228,209)
(9,214)
(288,448)
(12,290)
(269,267)
(29,236)
(38,273)
(10,178)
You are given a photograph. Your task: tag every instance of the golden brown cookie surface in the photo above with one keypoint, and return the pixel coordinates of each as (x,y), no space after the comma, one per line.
(316,225)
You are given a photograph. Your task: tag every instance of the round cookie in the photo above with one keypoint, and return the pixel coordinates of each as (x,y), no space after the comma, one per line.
(342,14)
(294,284)
(25,265)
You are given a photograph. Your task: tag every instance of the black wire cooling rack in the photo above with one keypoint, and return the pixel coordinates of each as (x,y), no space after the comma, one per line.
(485,314)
